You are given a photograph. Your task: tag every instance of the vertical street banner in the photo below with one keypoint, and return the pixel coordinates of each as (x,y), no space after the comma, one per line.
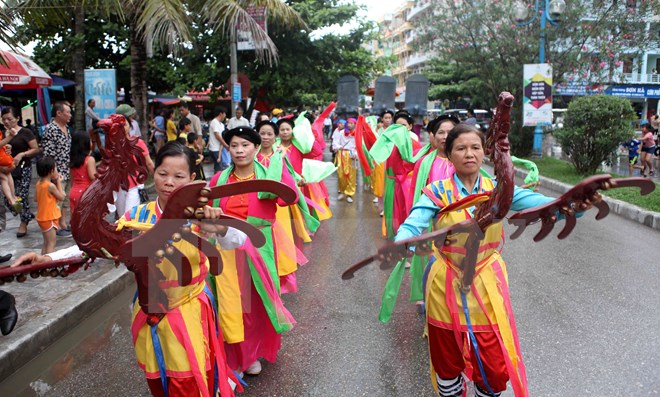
(101,86)
(537,94)
(244,39)
(236,92)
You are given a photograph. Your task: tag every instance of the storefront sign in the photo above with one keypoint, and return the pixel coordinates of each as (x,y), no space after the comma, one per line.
(101,86)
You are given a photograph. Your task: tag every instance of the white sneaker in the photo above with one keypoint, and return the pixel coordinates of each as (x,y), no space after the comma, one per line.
(375,201)
(254,368)
(349,199)
(341,196)
(382,213)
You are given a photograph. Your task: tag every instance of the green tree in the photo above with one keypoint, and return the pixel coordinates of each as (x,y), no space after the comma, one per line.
(450,82)
(310,65)
(591,41)
(68,21)
(594,128)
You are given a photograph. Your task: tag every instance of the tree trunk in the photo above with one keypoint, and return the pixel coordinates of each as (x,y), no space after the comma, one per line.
(79,67)
(139,76)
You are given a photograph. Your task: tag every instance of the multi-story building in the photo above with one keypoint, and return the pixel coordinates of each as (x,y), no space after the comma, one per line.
(395,34)
(636,76)
(398,32)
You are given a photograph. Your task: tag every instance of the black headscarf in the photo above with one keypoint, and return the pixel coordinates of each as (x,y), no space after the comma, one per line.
(246,133)
(262,123)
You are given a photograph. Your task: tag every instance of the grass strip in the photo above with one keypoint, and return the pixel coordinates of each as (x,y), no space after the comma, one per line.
(563,171)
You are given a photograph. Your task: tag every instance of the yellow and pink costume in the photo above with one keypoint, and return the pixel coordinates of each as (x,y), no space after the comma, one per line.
(181,355)
(487,305)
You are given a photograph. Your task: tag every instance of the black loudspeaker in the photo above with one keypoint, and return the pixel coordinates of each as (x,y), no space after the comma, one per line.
(417,95)
(347,96)
(384,95)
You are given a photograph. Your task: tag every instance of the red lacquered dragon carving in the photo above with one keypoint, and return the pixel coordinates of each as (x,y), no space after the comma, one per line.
(496,204)
(98,238)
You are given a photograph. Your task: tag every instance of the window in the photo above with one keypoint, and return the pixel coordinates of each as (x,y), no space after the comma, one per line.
(628,65)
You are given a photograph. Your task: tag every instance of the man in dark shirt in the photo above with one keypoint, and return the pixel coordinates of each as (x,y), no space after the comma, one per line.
(56,143)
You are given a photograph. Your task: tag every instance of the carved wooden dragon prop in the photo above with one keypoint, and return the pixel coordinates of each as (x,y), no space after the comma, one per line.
(498,203)
(98,238)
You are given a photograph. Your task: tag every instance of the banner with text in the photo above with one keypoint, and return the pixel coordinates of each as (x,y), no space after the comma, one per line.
(244,39)
(101,86)
(537,94)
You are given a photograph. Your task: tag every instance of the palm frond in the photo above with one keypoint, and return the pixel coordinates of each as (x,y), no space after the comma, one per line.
(226,15)
(43,12)
(8,19)
(165,20)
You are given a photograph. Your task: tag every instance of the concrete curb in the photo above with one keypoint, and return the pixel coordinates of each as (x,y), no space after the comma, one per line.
(626,210)
(39,333)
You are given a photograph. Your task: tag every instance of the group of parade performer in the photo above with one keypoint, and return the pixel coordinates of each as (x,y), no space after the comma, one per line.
(241,310)
(217,327)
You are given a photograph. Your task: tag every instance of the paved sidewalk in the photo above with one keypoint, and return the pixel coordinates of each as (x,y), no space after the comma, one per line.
(49,307)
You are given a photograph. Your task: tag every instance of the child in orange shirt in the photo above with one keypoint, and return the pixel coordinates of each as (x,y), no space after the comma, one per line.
(6,180)
(49,191)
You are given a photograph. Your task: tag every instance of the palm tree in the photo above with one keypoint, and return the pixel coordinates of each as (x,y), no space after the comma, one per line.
(46,12)
(167,23)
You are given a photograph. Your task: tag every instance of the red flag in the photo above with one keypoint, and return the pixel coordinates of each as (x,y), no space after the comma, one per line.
(364,137)
(317,126)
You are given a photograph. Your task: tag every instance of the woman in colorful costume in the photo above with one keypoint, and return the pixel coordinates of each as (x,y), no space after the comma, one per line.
(451,338)
(298,142)
(343,144)
(378,173)
(399,148)
(182,354)
(252,315)
(433,167)
(294,224)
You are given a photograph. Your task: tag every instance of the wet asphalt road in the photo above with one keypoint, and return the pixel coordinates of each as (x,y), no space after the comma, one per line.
(586,309)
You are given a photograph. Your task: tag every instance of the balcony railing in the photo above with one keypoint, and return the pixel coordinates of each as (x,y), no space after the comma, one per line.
(402,28)
(410,38)
(641,78)
(401,49)
(399,70)
(416,59)
(420,6)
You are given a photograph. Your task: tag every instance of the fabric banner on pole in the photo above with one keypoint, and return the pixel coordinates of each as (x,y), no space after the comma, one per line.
(537,94)
(101,86)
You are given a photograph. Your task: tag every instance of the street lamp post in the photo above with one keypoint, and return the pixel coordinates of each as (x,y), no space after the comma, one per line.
(545,11)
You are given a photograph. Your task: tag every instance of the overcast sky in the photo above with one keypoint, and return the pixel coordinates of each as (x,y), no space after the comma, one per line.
(379,7)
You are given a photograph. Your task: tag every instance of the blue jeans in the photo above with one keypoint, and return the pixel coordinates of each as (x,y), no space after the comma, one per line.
(225,158)
(216,165)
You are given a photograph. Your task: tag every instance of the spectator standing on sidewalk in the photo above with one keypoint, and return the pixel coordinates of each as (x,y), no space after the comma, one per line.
(129,112)
(159,126)
(238,120)
(184,111)
(56,143)
(648,149)
(633,147)
(49,192)
(91,119)
(216,143)
(23,147)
